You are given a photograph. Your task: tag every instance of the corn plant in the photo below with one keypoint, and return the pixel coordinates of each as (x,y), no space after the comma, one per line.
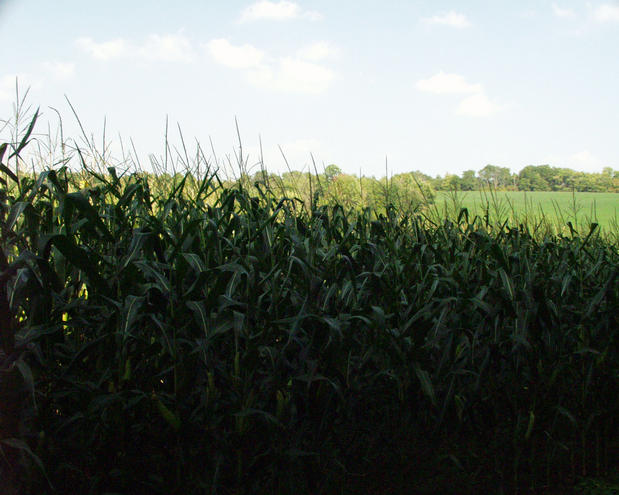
(187,335)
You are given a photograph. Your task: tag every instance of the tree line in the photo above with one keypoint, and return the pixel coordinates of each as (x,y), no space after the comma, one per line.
(406,191)
(530,178)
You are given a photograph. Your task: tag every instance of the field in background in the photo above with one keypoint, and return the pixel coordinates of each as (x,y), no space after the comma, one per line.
(581,208)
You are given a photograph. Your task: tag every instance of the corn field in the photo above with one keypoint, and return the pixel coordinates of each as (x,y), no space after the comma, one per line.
(197,337)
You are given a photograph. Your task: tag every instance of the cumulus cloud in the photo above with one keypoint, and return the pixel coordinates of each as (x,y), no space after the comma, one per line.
(443,83)
(291,74)
(276,11)
(478,105)
(236,57)
(583,160)
(562,12)
(318,51)
(606,13)
(475,104)
(164,48)
(60,70)
(451,19)
(106,50)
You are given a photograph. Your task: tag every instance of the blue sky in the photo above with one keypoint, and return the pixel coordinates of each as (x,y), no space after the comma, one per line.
(440,86)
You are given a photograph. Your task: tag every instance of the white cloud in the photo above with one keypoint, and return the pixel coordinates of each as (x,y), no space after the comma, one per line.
(167,48)
(60,70)
(562,12)
(442,83)
(106,50)
(271,10)
(318,51)
(236,57)
(478,105)
(451,19)
(606,13)
(164,48)
(293,75)
(312,15)
(298,74)
(584,160)
(276,11)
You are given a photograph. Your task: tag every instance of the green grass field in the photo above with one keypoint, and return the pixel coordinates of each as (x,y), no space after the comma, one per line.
(580,208)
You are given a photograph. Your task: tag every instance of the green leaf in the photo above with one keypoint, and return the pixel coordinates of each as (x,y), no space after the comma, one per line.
(8,171)
(233,267)
(171,418)
(507,284)
(16,210)
(19,444)
(199,314)
(483,305)
(426,383)
(26,374)
(81,202)
(195,262)
(75,255)
(137,242)
(151,272)
(24,140)
(527,435)
(130,314)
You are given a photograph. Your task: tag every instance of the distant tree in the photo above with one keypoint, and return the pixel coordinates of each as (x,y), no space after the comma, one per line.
(469,182)
(296,184)
(531,178)
(562,179)
(332,171)
(548,175)
(498,177)
(451,182)
(409,192)
(514,183)
(420,176)
(372,192)
(590,182)
(438,183)
(345,190)
(609,179)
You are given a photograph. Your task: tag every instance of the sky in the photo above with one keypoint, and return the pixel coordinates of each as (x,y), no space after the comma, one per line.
(435,86)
